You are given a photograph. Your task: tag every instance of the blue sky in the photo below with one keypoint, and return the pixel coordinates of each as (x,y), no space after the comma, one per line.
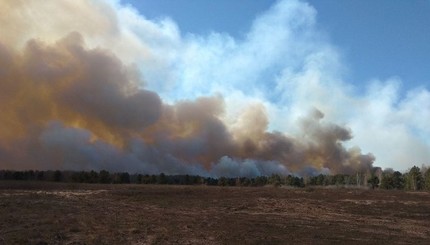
(378,39)
(381,38)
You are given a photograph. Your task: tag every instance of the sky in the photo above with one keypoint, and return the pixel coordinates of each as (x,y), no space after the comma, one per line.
(378,39)
(225,88)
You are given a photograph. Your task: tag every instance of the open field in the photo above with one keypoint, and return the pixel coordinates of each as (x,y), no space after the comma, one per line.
(61,213)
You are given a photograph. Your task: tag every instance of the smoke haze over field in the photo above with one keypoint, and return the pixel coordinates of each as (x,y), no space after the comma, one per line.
(95,85)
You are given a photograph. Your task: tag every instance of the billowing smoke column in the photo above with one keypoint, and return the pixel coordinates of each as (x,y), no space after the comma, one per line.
(66,106)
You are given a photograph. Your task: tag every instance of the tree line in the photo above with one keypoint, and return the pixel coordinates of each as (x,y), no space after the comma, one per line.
(106,177)
(414,179)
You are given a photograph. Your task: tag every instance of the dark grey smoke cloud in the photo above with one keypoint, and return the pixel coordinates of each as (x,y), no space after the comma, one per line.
(68,107)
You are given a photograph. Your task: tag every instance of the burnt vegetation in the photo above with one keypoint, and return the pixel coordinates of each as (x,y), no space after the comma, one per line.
(45,212)
(102,207)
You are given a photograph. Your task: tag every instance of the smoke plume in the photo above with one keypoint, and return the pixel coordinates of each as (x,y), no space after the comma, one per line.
(69,105)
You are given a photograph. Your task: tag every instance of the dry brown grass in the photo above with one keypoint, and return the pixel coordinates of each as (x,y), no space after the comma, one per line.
(59,213)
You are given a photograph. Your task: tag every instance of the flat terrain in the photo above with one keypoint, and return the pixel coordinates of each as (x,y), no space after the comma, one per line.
(61,213)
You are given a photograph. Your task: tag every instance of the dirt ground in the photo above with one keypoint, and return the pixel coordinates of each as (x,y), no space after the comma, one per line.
(61,213)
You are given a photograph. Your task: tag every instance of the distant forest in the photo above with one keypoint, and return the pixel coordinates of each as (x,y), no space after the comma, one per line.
(415,179)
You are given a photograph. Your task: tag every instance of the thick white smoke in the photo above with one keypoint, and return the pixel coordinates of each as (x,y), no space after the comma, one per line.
(283,64)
